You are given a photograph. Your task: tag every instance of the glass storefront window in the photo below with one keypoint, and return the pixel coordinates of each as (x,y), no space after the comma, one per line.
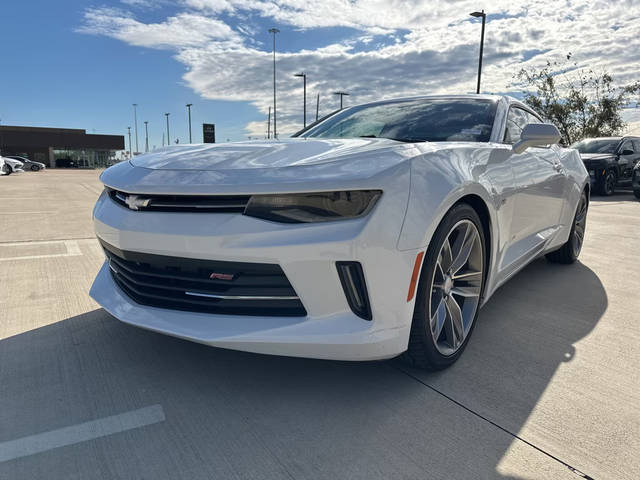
(83,158)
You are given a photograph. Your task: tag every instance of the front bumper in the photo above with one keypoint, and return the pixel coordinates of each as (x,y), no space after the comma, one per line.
(307,253)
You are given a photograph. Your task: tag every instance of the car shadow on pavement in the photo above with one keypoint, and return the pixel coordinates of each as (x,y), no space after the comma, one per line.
(620,196)
(239,415)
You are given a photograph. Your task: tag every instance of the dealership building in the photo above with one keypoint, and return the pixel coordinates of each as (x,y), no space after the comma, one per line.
(60,147)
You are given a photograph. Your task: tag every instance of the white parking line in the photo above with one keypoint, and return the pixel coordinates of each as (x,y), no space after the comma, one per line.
(39,212)
(73,249)
(81,432)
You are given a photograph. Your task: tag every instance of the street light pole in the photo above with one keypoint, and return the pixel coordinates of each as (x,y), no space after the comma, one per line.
(168,136)
(484,18)
(342,94)
(274,31)
(304,90)
(146,136)
(317,106)
(189,108)
(135,122)
(269,123)
(129,131)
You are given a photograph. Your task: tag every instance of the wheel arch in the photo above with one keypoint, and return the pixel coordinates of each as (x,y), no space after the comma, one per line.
(478,204)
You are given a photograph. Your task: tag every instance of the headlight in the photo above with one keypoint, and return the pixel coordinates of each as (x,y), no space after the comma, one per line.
(312,207)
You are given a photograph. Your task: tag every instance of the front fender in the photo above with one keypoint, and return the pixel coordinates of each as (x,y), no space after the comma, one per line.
(441,179)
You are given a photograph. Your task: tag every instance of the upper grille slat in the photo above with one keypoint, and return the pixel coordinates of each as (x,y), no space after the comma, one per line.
(183,284)
(180,203)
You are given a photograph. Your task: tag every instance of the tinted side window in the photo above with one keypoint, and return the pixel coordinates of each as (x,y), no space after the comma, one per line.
(626,146)
(516,121)
(636,146)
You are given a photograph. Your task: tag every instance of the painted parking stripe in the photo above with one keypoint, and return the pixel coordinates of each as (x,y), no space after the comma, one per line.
(72,247)
(39,212)
(82,432)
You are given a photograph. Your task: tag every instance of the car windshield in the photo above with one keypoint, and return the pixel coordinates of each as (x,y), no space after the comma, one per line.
(424,120)
(596,146)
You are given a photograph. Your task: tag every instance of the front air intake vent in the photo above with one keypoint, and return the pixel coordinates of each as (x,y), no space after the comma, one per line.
(206,286)
(355,288)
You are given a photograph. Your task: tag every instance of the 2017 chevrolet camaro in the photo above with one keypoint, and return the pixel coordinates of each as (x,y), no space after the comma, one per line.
(381,230)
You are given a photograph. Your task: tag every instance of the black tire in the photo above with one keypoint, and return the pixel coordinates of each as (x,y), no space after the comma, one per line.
(570,251)
(607,185)
(35,168)
(6,168)
(422,352)
(637,194)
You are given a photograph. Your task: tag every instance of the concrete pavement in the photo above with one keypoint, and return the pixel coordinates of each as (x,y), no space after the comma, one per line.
(548,384)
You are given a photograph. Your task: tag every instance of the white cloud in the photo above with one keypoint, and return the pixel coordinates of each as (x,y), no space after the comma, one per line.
(410,47)
(181,31)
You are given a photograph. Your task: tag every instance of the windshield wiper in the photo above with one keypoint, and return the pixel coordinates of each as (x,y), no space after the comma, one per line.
(407,139)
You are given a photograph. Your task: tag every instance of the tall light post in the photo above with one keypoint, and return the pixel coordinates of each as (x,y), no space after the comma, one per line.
(189,109)
(129,131)
(135,123)
(317,106)
(269,124)
(342,94)
(168,136)
(146,136)
(274,31)
(484,18)
(304,93)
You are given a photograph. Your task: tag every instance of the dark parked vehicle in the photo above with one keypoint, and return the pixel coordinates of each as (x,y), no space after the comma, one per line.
(28,164)
(636,181)
(609,160)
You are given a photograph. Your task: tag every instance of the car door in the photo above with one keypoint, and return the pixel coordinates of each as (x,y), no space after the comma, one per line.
(636,156)
(539,188)
(627,158)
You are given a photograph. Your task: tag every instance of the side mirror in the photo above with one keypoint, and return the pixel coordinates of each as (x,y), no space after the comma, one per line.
(535,135)
(627,152)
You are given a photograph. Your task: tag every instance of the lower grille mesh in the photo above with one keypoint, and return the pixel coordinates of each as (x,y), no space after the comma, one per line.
(208,286)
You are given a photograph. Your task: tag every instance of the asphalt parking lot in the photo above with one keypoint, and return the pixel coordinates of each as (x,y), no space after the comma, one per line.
(549,386)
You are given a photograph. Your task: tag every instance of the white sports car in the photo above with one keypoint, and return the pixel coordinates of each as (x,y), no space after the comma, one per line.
(10,165)
(379,230)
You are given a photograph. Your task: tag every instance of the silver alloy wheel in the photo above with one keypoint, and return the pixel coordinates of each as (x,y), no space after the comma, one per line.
(609,183)
(579,226)
(455,287)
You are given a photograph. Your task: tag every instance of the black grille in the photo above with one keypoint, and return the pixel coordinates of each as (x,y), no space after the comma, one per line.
(177,283)
(181,203)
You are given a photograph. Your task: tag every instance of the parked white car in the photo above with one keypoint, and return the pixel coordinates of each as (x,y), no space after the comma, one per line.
(378,231)
(10,165)
(29,164)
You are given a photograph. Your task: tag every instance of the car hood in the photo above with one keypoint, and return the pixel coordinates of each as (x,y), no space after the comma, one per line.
(260,154)
(290,165)
(596,156)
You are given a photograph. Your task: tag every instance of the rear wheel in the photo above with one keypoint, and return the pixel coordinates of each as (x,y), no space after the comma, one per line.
(637,193)
(608,183)
(449,292)
(35,168)
(569,252)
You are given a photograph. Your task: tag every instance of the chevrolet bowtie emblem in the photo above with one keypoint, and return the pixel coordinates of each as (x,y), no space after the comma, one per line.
(136,201)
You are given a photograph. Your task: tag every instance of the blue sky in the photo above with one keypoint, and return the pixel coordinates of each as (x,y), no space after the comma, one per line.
(80,64)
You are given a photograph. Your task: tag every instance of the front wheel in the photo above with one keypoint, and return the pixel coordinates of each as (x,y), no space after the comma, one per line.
(6,168)
(449,292)
(35,168)
(637,193)
(608,183)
